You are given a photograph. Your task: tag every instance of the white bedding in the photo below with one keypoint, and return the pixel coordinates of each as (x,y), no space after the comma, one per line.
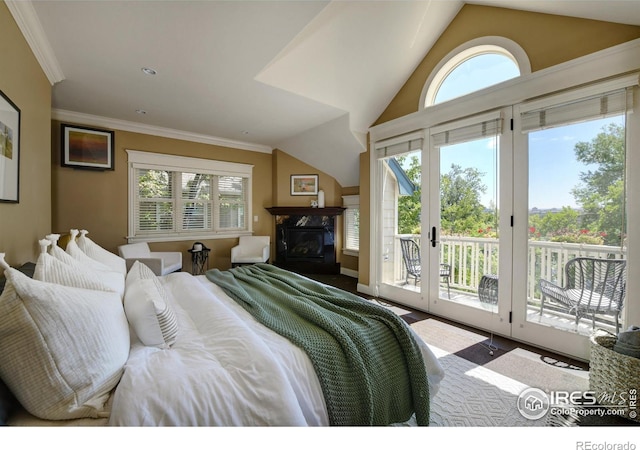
(225,369)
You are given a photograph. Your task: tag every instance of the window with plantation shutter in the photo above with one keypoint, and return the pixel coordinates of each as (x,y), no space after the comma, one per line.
(351,217)
(175,198)
(232,202)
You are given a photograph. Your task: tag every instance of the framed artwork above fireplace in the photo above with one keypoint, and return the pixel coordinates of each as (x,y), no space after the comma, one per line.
(304,184)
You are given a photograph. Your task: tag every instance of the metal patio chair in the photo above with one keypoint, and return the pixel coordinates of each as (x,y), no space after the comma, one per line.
(592,286)
(411,258)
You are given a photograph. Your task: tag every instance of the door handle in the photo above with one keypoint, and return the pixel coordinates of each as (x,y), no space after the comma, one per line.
(433,237)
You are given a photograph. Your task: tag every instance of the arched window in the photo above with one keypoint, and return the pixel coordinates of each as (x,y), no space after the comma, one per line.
(473,66)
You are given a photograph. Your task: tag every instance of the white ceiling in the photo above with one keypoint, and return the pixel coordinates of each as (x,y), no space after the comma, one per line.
(308,77)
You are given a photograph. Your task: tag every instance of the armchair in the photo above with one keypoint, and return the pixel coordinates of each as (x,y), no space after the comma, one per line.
(251,250)
(161,263)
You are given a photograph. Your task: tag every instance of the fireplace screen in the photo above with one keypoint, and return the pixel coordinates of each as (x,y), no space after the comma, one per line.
(305,243)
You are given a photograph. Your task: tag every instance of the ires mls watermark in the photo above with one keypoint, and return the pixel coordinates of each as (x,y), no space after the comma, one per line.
(534,403)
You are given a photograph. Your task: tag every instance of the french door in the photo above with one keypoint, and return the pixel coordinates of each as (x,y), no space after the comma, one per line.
(498,202)
(469,220)
(573,171)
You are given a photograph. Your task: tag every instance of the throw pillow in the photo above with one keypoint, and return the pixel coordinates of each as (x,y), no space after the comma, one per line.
(94,251)
(62,349)
(148,309)
(52,270)
(77,253)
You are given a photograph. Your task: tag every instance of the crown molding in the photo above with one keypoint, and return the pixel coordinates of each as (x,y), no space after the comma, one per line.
(124,125)
(27,20)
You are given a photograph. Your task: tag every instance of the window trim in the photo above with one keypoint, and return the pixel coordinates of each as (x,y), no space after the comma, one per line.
(148,160)
(349,202)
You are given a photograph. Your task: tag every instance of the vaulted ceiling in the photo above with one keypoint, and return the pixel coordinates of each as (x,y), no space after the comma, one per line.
(307,77)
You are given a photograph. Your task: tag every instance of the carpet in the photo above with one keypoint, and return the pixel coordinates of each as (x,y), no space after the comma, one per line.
(473,396)
(486,395)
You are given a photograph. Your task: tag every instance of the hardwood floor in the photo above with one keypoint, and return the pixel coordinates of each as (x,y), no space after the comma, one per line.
(477,354)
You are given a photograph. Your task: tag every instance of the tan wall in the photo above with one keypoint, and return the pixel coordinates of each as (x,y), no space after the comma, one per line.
(24,82)
(286,165)
(547,39)
(97,201)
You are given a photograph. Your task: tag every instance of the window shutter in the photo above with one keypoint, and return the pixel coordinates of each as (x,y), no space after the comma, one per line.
(196,201)
(232,202)
(154,209)
(352,228)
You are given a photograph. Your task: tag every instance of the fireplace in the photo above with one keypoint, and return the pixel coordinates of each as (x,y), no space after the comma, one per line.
(305,239)
(304,244)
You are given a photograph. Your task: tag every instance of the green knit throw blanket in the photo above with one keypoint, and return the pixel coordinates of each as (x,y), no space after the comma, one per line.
(368,363)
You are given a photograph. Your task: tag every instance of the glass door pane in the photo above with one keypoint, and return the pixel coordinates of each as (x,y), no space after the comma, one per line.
(577,210)
(401,208)
(469,228)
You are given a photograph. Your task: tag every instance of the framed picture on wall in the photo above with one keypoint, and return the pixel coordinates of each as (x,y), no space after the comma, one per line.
(87,148)
(304,184)
(9,150)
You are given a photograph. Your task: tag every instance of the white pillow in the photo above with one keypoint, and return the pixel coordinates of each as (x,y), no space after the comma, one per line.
(149,313)
(52,270)
(62,349)
(94,251)
(77,254)
(138,271)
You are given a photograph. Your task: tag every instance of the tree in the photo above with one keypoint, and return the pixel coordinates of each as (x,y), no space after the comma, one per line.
(461,211)
(601,192)
(410,206)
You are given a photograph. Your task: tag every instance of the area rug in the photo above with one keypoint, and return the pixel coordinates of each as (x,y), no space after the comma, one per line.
(473,396)
(486,394)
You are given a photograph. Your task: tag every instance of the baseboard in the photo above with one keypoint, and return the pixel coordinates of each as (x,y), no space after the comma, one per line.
(349,272)
(365,289)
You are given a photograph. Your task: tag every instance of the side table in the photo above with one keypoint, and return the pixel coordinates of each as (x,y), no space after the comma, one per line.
(199,260)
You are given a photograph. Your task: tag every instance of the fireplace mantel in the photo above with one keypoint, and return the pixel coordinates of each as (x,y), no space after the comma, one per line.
(305,211)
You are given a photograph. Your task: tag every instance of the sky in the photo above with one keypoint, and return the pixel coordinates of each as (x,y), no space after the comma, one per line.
(553,169)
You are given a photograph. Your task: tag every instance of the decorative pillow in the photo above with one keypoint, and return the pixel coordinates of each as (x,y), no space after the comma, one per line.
(94,251)
(139,271)
(62,349)
(77,254)
(52,270)
(148,309)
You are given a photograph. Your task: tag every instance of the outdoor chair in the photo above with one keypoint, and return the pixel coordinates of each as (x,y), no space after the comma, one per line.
(411,258)
(592,286)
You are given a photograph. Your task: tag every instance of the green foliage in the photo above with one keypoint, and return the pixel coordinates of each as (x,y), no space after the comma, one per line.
(410,206)
(461,210)
(600,218)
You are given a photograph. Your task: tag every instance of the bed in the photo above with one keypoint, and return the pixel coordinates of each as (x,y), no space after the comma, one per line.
(183,350)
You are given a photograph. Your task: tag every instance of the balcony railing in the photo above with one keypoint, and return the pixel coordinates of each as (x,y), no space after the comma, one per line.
(471,257)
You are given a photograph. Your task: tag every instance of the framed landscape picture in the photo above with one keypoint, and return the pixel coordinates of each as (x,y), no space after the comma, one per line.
(304,184)
(9,150)
(87,148)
